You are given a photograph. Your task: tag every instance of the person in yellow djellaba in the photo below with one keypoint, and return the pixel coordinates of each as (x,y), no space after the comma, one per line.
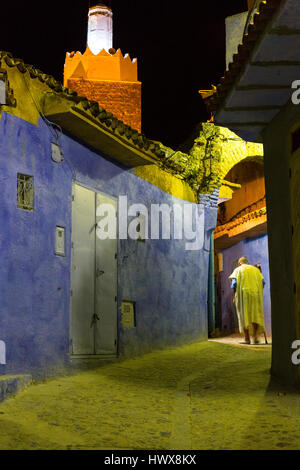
(248,285)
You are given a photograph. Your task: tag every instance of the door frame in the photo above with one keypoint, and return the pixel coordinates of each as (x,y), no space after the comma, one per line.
(93,356)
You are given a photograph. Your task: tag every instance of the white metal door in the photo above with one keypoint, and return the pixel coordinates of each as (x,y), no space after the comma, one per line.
(93,322)
(106,287)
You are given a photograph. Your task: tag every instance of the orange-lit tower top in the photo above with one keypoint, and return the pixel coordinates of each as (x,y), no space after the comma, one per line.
(104,75)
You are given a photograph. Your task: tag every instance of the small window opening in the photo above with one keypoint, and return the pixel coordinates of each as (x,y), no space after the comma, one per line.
(25,192)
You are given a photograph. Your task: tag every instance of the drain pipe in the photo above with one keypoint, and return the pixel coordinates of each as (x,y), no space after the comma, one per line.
(211,289)
(2,357)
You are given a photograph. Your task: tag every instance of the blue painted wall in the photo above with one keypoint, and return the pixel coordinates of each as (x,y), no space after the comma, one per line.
(256,250)
(168,284)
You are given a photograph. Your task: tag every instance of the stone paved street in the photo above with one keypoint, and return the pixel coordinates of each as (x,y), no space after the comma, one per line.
(200,396)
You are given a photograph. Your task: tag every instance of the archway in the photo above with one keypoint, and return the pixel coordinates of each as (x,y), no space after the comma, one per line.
(241,231)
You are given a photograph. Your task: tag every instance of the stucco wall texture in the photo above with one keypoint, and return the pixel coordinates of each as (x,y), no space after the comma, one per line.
(123,99)
(282,241)
(256,251)
(168,284)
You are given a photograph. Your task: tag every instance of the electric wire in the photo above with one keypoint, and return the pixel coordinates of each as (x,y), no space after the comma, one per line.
(55,129)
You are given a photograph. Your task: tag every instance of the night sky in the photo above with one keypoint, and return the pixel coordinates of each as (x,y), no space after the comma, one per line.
(180,48)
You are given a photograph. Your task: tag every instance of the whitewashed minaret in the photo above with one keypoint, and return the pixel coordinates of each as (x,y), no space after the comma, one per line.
(104,75)
(100,28)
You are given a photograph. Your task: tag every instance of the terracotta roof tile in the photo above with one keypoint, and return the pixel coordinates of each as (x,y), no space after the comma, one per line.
(138,139)
(221,229)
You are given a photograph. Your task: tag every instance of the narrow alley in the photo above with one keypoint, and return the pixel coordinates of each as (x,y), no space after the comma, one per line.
(204,395)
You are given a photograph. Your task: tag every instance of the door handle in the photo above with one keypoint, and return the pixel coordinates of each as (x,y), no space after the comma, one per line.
(93,228)
(95,318)
(99,272)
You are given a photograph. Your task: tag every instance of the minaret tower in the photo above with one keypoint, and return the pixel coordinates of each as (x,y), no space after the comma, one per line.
(104,75)
(100,29)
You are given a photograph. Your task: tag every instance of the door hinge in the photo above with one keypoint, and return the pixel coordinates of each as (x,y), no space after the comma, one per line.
(116,256)
(71,293)
(73,198)
(116,298)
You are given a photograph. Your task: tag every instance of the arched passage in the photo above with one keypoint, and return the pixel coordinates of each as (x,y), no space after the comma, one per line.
(241,231)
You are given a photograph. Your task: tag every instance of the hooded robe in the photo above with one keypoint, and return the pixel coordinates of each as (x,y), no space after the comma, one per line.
(249,297)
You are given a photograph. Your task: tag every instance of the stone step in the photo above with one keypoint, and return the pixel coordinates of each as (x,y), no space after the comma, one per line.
(10,385)
(83,361)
